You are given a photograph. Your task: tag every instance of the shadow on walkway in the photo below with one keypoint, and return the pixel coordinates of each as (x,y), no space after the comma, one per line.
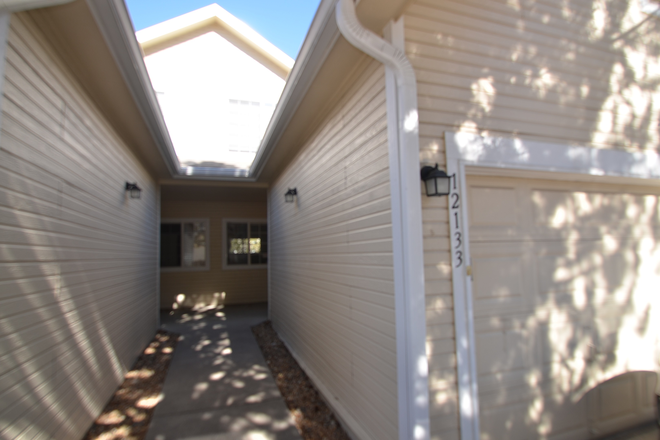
(218,386)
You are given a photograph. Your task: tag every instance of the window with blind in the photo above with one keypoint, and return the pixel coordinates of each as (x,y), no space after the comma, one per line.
(184,244)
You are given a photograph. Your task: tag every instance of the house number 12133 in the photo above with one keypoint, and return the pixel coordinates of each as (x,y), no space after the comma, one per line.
(454,209)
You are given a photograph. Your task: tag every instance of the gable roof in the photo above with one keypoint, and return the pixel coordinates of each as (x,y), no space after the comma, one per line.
(213,18)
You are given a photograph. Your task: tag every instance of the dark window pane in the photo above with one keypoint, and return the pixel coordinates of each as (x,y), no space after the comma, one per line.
(170,245)
(247,243)
(238,245)
(237,259)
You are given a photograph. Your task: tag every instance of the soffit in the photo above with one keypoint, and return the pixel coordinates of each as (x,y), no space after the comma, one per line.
(72,31)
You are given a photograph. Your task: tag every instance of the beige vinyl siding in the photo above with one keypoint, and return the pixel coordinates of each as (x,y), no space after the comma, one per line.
(78,259)
(331,267)
(237,286)
(580,73)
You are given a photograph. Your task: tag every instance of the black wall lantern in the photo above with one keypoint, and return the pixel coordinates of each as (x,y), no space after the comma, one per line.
(134,190)
(436,181)
(290,194)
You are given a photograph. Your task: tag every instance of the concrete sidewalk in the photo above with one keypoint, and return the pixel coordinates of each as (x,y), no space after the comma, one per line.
(218,386)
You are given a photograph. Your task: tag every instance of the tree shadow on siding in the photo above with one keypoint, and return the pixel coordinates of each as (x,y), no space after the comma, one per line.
(578,73)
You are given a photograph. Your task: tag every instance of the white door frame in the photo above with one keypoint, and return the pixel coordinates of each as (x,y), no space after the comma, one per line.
(568,162)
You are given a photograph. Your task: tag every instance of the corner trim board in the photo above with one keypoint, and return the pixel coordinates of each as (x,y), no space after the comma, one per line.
(468,149)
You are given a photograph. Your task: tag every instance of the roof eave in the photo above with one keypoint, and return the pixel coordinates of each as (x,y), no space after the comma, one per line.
(323,43)
(321,37)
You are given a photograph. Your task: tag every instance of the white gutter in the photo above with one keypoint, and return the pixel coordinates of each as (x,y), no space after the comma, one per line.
(403,134)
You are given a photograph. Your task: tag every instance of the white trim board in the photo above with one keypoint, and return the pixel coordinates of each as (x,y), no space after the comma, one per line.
(500,152)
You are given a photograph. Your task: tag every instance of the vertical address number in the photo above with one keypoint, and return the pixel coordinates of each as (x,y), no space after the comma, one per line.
(455,207)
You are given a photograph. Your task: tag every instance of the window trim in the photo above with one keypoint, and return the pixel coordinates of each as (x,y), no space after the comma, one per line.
(207,223)
(248,266)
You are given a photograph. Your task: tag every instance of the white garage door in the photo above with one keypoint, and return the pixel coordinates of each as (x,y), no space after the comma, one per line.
(564,279)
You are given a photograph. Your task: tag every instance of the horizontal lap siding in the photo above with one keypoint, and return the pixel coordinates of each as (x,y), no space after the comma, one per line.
(78,259)
(331,267)
(539,70)
(239,286)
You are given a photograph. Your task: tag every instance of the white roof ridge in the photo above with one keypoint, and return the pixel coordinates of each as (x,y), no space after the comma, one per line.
(214,10)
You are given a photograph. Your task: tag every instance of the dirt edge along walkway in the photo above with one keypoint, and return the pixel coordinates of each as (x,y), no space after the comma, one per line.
(128,413)
(313,418)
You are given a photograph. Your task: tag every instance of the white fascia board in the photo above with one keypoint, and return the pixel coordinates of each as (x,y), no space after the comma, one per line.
(214,11)
(115,24)
(500,152)
(321,37)
(24,5)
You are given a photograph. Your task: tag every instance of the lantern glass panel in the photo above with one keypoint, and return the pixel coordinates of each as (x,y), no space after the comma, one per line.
(430,187)
(442,185)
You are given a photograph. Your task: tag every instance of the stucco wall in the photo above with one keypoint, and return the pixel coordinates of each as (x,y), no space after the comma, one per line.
(216,285)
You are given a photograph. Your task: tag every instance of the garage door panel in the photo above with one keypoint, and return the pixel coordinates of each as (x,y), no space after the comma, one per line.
(563,281)
(501,278)
(494,212)
(503,351)
(498,276)
(602,212)
(568,347)
(493,207)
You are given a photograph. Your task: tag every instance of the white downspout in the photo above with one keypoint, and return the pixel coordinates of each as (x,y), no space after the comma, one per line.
(412,364)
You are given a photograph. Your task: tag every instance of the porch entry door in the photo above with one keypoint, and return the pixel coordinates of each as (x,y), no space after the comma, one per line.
(561,294)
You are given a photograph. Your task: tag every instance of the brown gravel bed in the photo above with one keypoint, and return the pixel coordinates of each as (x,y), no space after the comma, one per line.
(129,412)
(313,417)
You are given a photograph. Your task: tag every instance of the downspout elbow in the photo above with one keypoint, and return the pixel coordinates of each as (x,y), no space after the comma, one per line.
(373,45)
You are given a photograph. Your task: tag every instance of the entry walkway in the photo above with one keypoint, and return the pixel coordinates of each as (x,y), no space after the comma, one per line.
(218,386)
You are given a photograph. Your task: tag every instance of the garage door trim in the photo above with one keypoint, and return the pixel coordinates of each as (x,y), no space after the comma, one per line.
(469,149)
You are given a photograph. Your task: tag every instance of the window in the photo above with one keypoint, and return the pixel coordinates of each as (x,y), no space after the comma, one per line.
(246,244)
(184,244)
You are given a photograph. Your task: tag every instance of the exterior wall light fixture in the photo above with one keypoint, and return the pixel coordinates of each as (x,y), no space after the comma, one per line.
(134,190)
(436,181)
(290,194)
